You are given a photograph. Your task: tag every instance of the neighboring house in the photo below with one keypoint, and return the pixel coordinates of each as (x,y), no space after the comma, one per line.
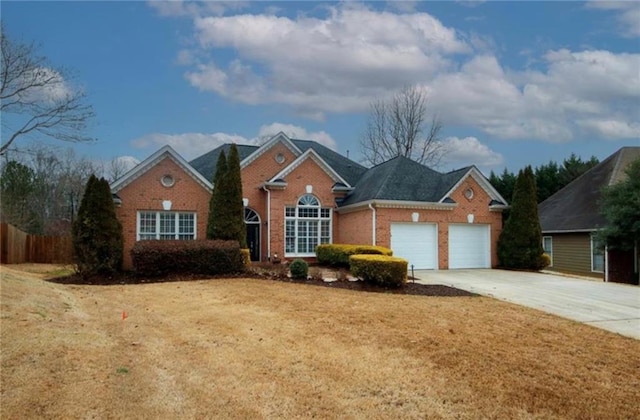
(299,194)
(570,218)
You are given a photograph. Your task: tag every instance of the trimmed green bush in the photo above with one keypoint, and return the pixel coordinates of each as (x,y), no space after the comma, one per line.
(158,258)
(299,269)
(546,260)
(338,254)
(380,269)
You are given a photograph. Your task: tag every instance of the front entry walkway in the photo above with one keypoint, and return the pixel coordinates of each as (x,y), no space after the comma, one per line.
(610,306)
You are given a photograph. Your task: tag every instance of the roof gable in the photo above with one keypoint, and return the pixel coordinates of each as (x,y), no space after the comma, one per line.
(474,173)
(576,206)
(278,138)
(313,155)
(161,154)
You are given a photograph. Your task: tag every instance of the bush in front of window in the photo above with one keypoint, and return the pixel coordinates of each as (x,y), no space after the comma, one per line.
(338,254)
(299,269)
(208,257)
(546,261)
(382,270)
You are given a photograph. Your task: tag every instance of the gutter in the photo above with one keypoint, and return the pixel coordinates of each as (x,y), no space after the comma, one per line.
(264,187)
(373,224)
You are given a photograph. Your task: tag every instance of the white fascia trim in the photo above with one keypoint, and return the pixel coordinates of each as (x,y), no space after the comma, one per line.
(481,180)
(396,204)
(312,154)
(280,137)
(570,231)
(144,166)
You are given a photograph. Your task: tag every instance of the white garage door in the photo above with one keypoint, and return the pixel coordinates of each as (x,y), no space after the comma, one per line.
(417,243)
(469,246)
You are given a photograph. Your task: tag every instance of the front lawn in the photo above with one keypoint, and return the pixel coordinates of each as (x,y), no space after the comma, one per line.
(247,348)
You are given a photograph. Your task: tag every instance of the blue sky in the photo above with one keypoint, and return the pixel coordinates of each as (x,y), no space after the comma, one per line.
(514,83)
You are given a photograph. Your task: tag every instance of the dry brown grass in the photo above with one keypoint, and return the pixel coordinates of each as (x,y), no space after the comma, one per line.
(259,349)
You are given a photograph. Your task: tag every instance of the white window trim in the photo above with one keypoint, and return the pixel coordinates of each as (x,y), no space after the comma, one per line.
(319,219)
(550,253)
(177,216)
(592,259)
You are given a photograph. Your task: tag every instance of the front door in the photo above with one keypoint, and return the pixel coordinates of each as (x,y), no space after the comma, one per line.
(252,221)
(253,240)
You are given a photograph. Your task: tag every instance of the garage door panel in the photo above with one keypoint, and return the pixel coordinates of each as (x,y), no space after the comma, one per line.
(469,246)
(417,243)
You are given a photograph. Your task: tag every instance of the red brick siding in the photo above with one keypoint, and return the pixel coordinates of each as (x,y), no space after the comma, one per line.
(147,193)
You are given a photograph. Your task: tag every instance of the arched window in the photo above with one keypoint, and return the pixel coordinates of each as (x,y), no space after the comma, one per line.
(307,225)
(250,216)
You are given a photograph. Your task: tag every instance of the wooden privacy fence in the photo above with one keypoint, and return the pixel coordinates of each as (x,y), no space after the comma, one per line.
(18,247)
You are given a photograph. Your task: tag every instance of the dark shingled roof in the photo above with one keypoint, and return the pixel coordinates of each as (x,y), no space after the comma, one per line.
(576,206)
(206,164)
(349,170)
(403,179)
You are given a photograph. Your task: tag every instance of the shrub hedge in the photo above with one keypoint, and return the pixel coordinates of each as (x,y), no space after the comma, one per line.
(210,257)
(338,254)
(380,269)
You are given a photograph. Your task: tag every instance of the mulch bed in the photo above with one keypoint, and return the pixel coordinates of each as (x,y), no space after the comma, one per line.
(409,288)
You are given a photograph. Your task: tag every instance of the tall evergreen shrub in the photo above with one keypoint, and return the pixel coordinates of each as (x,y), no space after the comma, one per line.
(96,232)
(216,202)
(520,244)
(226,211)
(237,229)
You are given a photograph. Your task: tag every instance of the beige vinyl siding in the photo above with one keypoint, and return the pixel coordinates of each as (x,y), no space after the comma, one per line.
(572,253)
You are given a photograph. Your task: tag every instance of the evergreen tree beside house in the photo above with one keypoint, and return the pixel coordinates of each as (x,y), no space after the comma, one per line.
(226,210)
(520,243)
(96,232)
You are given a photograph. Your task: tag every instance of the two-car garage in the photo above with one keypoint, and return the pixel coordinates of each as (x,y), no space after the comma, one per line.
(469,245)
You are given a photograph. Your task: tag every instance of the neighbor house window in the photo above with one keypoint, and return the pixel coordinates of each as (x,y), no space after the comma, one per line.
(597,256)
(166,225)
(306,226)
(547,246)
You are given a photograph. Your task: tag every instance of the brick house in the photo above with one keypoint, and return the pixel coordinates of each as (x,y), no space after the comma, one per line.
(298,194)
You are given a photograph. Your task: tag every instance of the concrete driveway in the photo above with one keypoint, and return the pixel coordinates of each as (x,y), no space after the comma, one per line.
(610,306)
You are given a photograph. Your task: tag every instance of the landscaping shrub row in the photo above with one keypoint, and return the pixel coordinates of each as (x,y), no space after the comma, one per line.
(337,255)
(211,257)
(380,269)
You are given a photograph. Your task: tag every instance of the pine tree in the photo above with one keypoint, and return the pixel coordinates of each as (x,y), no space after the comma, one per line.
(216,202)
(97,233)
(237,228)
(226,212)
(520,244)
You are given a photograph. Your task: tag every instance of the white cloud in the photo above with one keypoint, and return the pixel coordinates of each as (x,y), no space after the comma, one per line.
(628,15)
(192,145)
(612,129)
(296,132)
(189,145)
(310,63)
(192,9)
(341,62)
(545,105)
(469,151)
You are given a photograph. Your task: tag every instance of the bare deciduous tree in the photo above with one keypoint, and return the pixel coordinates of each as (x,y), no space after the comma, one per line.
(398,127)
(38,96)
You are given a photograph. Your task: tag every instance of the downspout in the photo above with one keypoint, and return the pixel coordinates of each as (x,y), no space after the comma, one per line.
(264,187)
(373,224)
(606,263)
